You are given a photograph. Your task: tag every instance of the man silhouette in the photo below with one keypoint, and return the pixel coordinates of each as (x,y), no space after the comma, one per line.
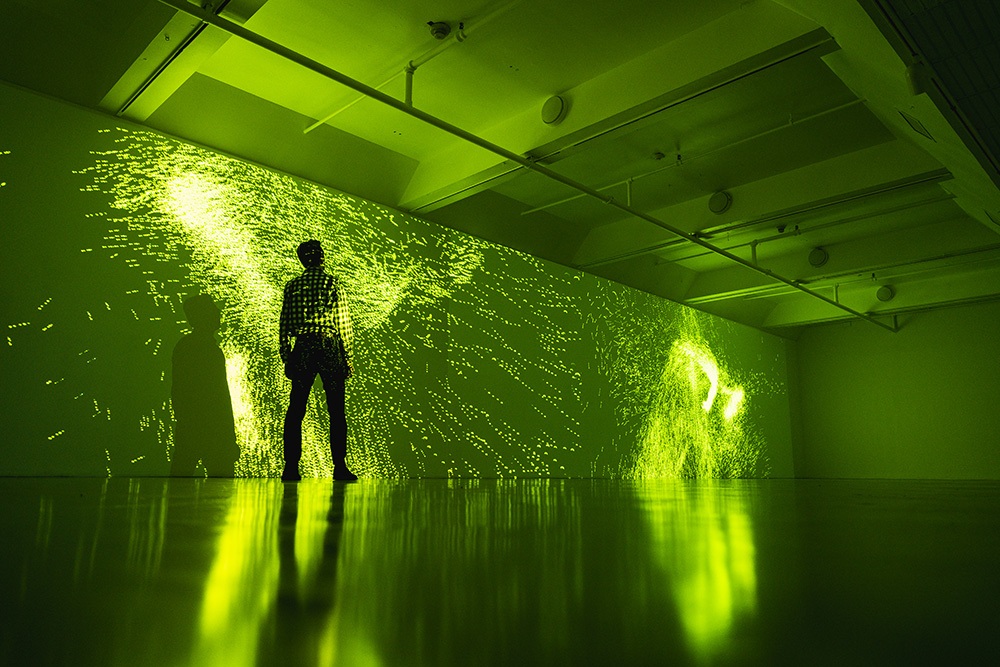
(315,314)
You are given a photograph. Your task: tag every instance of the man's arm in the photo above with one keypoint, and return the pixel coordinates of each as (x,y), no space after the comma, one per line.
(285,327)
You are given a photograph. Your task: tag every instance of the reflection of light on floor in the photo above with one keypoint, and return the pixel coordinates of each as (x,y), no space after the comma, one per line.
(243,581)
(336,649)
(310,529)
(705,544)
(447,556)
(344,641)
(147,528)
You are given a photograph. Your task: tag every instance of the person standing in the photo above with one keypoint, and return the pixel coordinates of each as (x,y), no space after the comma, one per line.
(314,313)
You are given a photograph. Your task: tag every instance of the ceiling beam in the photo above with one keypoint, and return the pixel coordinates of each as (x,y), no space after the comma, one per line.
(485,144)
(730,49)
(777,201)
(170,59)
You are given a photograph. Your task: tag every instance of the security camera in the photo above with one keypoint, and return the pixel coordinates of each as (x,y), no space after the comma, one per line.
(439,29)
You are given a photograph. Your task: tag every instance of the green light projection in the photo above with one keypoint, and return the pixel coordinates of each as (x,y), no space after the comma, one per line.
(695,421)
(242,583)
(683,409)
(472,359)
(678,560)
(387,572)
(702,538)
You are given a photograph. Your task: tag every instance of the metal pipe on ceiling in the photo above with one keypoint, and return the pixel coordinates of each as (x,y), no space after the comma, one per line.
(343,79)
(162,67)
(698,156)
(934,177)
(967,255)
(687,97)
(411,66)
(964,257)
(798,231)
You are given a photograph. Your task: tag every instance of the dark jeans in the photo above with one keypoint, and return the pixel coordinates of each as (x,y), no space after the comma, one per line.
(315,360)
(334,386)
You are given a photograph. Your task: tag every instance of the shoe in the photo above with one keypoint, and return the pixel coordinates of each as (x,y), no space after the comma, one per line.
(342,473)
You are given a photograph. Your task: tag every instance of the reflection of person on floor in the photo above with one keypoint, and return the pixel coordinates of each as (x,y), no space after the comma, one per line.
(305,619)
(199,391)
(315,314)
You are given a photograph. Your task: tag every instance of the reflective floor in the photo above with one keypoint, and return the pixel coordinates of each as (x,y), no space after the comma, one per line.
(547,572)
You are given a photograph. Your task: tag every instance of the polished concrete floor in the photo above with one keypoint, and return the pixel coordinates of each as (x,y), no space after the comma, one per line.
(495,572)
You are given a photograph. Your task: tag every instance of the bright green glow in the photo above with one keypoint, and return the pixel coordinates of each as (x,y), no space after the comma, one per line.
(701,360)
(241,396)
(704,366)
(704,540)
(473,360)
(242,583)
(694,424)
(310,530)
(734,403)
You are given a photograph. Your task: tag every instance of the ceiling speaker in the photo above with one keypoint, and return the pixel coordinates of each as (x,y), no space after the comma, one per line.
(885,293)
(818,257)
(554,110)
(720,202)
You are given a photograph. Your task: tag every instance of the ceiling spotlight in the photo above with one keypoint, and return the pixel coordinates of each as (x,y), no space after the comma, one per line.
(818,257)
(439,29)
(885,293)
(720,202)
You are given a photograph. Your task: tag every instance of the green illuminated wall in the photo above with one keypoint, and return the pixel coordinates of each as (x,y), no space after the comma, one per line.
(920,403)
(471,359)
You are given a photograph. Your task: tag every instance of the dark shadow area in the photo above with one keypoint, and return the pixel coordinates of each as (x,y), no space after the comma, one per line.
(204,430)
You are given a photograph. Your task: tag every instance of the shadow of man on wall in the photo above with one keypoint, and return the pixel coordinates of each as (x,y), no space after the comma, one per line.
(204,433)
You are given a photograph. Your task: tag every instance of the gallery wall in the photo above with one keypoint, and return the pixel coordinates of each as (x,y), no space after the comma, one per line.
(920,403)
(471,359)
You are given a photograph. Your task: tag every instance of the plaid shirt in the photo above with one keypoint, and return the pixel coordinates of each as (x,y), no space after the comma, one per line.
(314,304)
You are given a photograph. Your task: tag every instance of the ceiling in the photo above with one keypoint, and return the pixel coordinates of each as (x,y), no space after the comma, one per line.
(864,128)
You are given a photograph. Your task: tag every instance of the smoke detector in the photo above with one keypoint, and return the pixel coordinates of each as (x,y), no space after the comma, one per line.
(885,293)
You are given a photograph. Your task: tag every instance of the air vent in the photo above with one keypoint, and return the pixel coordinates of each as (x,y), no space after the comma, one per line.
(917,126)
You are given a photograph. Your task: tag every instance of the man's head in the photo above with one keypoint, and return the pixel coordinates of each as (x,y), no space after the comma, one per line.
(310,253)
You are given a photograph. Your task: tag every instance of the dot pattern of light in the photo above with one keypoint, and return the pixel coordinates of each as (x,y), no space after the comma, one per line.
(471,359)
